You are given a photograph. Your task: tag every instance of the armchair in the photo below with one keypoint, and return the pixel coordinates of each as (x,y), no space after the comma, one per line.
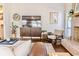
(56,36)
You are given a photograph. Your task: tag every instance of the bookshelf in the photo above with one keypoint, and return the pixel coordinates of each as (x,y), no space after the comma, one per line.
(75,27)
(1,23)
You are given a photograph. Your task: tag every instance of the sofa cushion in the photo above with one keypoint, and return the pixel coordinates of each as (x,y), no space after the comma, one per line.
(5,51)
(51,36)
(23,49)
(18,43)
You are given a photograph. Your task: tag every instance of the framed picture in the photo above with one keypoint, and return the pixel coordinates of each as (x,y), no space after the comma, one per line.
(53,17)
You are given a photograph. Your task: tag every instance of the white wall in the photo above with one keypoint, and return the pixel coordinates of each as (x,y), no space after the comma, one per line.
(7,20)
(35,9)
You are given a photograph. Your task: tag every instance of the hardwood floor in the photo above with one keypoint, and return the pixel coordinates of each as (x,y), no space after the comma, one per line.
(59,48)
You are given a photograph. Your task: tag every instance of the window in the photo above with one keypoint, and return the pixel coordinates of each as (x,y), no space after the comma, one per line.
(68,26)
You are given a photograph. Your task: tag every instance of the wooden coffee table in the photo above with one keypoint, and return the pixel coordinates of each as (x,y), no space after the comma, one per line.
(59,54)
(38,49)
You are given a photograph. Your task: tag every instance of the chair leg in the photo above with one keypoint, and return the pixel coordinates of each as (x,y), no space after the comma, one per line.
(53,41)
(40,39)
(58,41)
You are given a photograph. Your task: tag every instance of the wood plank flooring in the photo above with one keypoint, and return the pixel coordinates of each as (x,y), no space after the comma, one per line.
(58,48)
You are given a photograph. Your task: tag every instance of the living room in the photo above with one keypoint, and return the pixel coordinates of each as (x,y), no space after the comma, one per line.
(42,10)
(38,25)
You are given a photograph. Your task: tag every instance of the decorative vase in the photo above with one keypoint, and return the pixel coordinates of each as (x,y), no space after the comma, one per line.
(14,35)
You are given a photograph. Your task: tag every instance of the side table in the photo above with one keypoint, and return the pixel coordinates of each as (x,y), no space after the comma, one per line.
(53,38)
(58,39)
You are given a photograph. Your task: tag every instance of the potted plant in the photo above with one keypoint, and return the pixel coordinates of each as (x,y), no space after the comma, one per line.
(14,27)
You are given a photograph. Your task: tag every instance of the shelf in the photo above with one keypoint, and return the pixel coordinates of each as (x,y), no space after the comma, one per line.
(31,17)
(76,14)
(1,13)
(1,16)
(76,26)
(1,23)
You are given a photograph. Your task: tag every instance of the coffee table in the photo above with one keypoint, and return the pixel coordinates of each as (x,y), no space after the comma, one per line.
(38,49)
